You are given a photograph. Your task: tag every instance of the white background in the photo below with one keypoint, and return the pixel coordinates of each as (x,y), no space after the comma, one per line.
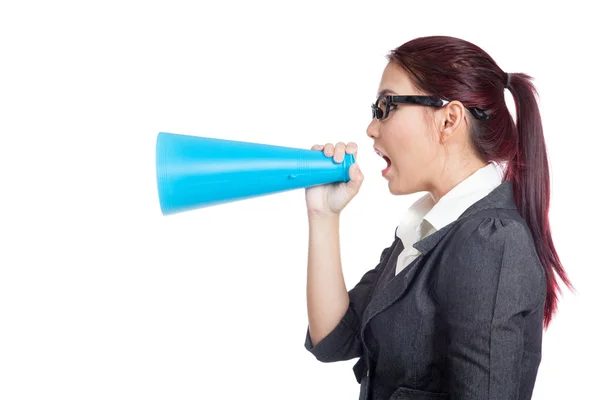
(102,297)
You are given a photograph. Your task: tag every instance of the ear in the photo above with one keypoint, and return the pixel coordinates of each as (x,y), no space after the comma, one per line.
(450,120)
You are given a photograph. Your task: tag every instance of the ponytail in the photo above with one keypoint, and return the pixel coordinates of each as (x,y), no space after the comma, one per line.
(528,171)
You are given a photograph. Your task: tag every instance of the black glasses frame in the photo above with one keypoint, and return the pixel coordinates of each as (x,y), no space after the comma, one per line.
(429,101)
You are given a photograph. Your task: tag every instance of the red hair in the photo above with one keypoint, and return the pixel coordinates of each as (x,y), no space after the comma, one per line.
(455,69)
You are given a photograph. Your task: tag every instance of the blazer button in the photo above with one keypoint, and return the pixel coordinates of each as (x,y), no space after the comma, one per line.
(368,372)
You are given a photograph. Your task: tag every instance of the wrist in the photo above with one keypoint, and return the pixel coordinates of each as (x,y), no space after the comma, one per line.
(323,217)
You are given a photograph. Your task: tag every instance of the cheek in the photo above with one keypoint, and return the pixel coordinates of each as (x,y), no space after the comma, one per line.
(408,146)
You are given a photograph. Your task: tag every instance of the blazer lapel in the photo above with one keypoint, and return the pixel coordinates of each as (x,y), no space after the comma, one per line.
(389,269)
(390,287)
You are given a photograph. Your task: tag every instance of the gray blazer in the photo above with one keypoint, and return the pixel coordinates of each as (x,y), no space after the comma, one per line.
(463,320)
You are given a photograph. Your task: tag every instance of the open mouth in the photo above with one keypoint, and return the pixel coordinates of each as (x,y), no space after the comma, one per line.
(387,160)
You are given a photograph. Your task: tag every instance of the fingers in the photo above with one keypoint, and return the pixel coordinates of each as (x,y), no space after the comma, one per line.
(352,148)
(328,149)
(338,151)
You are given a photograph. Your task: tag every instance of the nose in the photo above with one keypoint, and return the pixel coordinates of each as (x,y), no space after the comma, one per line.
(372,129)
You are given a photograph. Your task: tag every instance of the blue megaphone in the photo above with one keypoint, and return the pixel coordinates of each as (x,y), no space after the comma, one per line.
(194,172)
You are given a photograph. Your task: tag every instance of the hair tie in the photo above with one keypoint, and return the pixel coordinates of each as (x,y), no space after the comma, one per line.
(507,80)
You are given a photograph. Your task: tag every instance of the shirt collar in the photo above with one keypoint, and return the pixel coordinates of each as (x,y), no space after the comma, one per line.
(500,198)
(413,217)
(463,195)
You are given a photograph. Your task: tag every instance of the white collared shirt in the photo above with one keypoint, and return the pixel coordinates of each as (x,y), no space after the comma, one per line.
(424,217)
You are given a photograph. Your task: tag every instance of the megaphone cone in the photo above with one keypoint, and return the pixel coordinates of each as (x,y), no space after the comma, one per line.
(194,172)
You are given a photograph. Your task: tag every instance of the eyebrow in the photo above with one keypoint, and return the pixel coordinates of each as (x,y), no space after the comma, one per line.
(386,91)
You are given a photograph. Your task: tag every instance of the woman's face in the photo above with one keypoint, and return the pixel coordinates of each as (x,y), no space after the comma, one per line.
(406,137)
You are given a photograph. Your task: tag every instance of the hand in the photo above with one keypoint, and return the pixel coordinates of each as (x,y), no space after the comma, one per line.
(330,199)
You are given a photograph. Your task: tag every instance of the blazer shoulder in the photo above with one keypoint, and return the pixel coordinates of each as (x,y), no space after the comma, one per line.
(500,240)
(491,253)
(493,225)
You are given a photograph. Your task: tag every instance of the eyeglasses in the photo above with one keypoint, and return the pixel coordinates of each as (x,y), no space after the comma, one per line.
(381,108)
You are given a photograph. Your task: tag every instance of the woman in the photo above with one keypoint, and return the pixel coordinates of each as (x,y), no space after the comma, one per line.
(458,302)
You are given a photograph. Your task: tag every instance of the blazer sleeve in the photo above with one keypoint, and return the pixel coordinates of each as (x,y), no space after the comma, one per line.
(343,342)
(491,280)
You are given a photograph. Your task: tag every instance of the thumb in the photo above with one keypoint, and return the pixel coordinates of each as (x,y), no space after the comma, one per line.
(356,178)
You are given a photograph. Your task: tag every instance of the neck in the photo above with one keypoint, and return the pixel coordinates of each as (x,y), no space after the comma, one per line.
(452,176)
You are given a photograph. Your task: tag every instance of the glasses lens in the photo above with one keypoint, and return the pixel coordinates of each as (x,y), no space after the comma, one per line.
(382,105)
(376,112)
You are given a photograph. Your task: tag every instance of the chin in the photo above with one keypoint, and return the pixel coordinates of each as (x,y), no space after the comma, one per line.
(395,189)
(398,189)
